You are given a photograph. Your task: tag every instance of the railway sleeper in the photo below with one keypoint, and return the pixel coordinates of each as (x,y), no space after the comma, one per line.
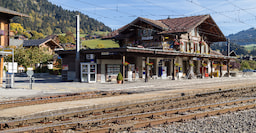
(4,126)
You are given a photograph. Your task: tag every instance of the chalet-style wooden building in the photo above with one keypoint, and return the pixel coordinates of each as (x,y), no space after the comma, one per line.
(5,16)
(169,49)
(49,43)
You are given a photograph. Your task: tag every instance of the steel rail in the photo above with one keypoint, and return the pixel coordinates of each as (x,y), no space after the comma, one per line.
(123,118)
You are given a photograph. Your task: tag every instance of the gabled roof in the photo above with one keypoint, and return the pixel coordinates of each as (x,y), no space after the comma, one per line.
(185,24)
(37,43)
(231,53)
(11,13)
(156,23)
(180,25)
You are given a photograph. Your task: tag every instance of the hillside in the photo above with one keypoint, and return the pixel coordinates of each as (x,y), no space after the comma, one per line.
(98,43)
(48,18)
(244,37)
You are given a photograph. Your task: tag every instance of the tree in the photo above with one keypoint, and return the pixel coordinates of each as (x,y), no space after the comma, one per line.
(26,34)
(57,31)
(245,65)
(36,35)
(48,31)
(30,56)
(70,37)
(44,14)
(17,27)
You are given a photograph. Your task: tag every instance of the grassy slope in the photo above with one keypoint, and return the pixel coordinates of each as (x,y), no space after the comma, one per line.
(250,47)
(94,42)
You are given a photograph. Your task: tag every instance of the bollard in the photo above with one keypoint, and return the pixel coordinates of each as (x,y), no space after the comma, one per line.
(30,74)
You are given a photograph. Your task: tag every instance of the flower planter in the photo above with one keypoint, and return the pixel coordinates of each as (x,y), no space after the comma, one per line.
(119,81)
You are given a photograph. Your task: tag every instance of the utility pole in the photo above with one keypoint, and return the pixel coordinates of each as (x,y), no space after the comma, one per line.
(77,47)
(228,47)
(228,62)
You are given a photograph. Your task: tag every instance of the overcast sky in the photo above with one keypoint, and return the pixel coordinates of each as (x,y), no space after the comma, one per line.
(231,16)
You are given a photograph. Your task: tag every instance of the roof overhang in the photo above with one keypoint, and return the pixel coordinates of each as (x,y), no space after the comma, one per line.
(10,13)
(205,24)
(146,51)
(52,42)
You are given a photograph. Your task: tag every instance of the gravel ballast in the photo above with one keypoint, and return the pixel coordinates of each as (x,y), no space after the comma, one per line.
(236,122)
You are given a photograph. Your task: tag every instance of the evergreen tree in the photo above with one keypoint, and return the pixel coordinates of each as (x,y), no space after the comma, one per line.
(48,17)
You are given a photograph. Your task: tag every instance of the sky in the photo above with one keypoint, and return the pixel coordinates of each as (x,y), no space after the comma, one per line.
(231,16)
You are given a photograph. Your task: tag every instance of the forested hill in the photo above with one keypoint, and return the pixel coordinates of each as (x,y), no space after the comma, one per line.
(48,18)
(244,37)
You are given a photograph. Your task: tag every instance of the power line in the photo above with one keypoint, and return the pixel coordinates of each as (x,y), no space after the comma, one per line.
(219,13)
(115,10)
(236,10)
(120,20)
(163,7)
(240,8)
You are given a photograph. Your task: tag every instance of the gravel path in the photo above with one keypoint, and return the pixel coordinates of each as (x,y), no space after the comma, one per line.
(236,122)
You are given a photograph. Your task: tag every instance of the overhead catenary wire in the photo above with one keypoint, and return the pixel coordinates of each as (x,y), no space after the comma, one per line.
(241,9)
(120,20)
(242,22)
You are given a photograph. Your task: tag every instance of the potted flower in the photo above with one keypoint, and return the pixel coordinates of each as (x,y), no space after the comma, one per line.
(119,78)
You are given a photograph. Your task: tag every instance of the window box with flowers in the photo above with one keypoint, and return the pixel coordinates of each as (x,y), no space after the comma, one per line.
(149,63)
(126,63)
(201,43)
(176,64)
(204,64)
(191,64)
(176,42)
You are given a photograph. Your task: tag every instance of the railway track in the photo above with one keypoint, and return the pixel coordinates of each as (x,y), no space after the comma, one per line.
(115,118)
(59,98)
(112,122)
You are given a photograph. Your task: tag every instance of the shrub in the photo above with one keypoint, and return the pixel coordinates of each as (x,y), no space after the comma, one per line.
(119,76)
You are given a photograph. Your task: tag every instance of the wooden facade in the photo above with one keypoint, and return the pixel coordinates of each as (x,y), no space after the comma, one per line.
(48,44)
(167,49)
(5,16)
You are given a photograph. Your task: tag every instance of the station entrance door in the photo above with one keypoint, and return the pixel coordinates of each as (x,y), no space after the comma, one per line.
(88,72)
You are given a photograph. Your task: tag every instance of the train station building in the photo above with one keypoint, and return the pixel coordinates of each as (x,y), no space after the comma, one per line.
(172,48)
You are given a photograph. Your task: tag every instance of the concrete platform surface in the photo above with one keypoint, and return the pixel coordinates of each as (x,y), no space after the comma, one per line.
(50,84)
(153,89)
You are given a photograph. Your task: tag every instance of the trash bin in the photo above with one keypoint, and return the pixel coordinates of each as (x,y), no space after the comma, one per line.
(8,83)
